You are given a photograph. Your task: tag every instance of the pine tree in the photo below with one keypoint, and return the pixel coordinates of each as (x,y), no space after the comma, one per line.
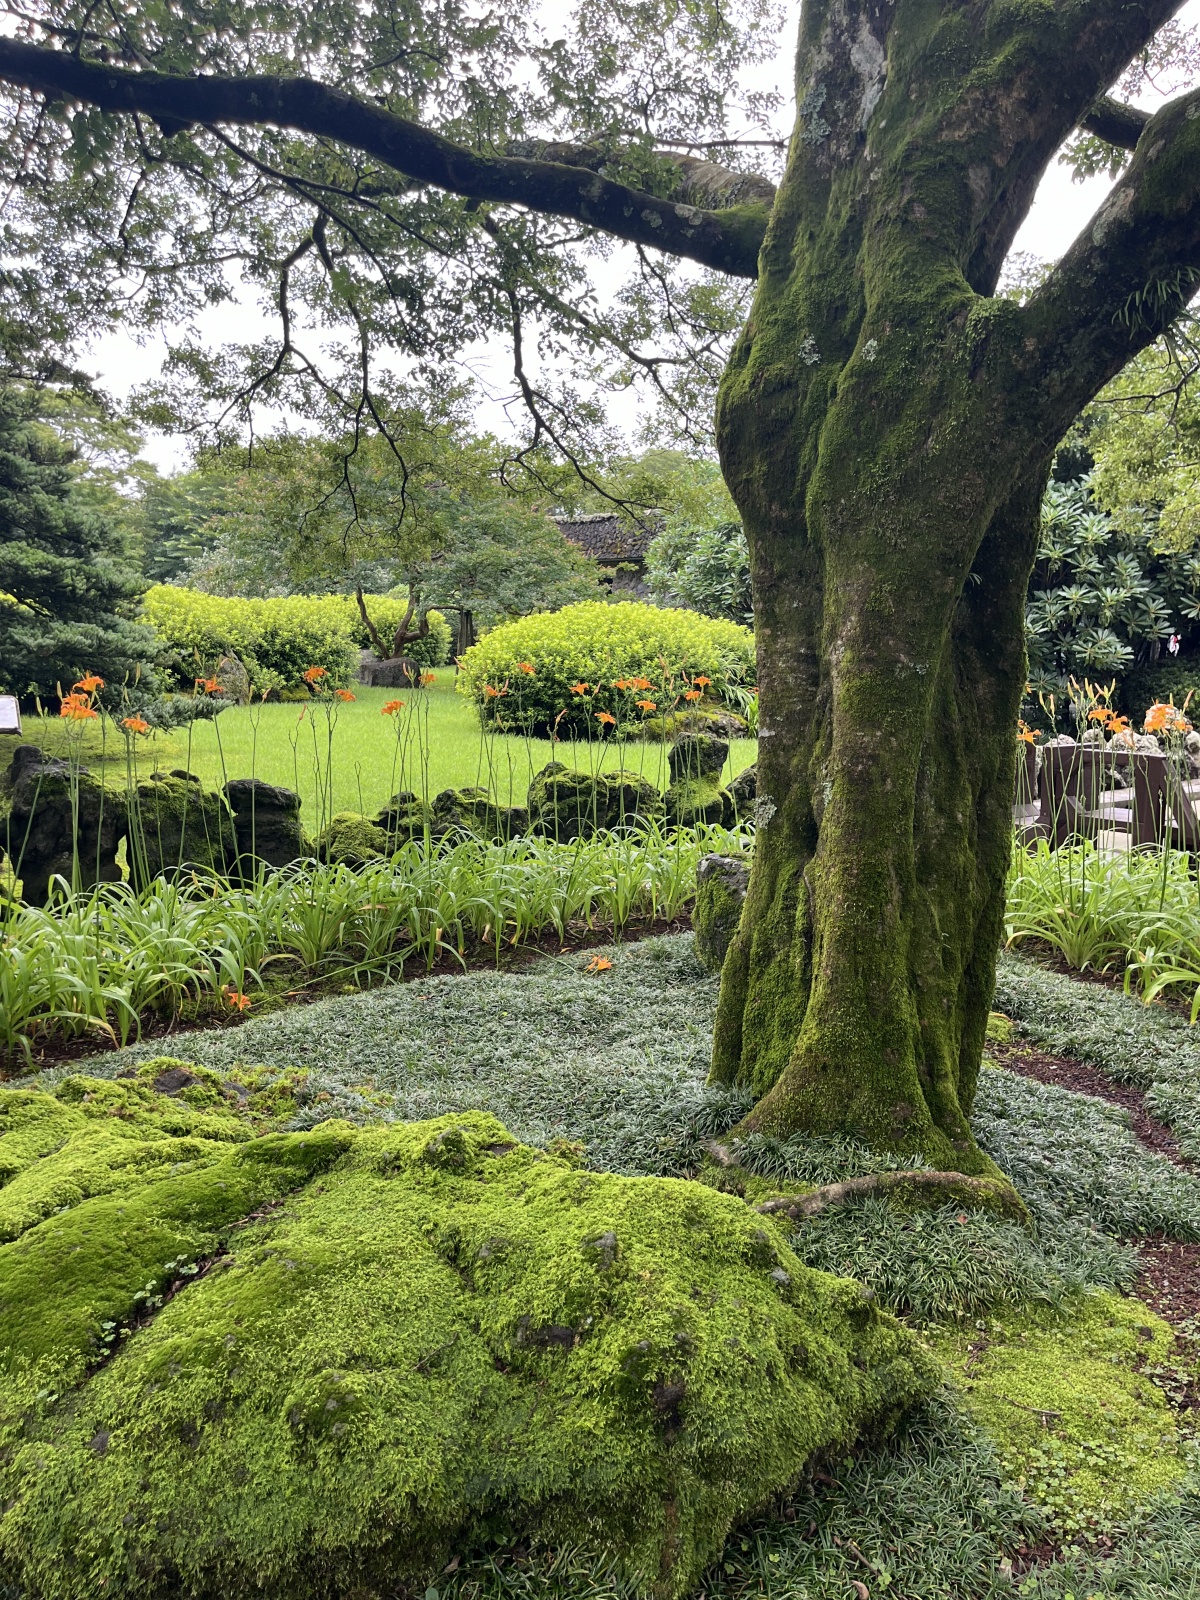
(68,590)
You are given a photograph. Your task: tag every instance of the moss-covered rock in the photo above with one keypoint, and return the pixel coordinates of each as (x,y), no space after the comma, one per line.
(405,817)
(176,823)
(1068,1396)
(473,811)
(567,804)
(721,883)
(62,822)
(266,819)
(353,839)
(743,793)
(426,1335)
(715,719)
(695,794)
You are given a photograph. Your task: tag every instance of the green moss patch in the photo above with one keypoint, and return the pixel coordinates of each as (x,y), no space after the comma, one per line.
(1067,1394)
(427,1335)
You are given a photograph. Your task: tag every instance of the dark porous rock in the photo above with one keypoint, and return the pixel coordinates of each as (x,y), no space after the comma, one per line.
(695,794)
(397,672)
(176,824)
(473,811)
(698,755)
(266,820)
(565,804)
(721,884)
(743,793)
(353,840)
(404,817)
(63,823)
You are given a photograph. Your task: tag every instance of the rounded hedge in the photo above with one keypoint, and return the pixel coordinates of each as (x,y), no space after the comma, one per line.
(278,639)
(527,674)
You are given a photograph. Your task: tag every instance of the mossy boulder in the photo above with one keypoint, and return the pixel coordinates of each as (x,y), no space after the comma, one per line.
(708,718)
(61,822)
(405,817)
(1068,1395)
(176,823)
(353,839)
(721,884)
(473,811)
(567,804)
(695,794)
(743,793)
(266,819)
(322,1363)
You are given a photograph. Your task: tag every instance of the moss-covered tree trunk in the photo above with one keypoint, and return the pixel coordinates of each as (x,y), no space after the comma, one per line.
(886,426)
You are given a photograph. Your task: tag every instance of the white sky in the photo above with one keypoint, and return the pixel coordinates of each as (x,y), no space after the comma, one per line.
(119,362)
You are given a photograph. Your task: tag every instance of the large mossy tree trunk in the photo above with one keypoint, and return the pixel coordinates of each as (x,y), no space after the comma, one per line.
(886,427)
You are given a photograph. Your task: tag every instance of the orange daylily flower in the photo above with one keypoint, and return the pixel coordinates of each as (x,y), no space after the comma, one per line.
(208,686)
(693,694)
(647,705)
(77,710)
(702,683)
(390,709)
(426,679)
(1100,714)
(1166,718)
(598,964)
(492,693)
(344,695)
(579,688)
(1026,734)
(236,1000)
(640,683)
(607,718)
(135,724)
(314,675)
(90,683)
(526,667)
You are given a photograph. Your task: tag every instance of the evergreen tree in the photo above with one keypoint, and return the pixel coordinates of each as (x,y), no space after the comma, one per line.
(68,592)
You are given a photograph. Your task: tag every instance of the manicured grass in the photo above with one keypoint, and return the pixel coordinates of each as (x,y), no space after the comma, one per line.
(351,758)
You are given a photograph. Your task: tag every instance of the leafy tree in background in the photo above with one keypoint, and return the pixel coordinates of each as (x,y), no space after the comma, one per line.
(1103,595)
(310,515)
(69,585)
(419,178)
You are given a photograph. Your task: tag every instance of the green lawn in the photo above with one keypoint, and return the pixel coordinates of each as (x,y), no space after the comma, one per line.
(354,758)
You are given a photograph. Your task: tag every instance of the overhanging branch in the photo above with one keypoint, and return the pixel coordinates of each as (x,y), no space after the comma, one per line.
(1129,274)
(727,240)
(1116,123)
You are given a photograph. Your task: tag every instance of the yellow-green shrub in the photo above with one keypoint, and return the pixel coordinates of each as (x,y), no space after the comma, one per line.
(599,645)
(278,639)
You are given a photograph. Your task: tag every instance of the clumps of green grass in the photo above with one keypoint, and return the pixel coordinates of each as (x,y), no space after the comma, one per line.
(814,1159)
(1148,1046)
(948,1264)
(1075,1158)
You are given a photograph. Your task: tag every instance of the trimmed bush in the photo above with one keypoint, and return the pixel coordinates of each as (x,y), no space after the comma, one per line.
(426,1332)
(600,645)
(278,640)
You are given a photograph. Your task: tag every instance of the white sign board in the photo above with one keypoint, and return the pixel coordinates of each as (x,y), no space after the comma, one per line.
(10,714)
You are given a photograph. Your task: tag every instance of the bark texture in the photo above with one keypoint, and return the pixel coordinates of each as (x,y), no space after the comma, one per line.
(886,427)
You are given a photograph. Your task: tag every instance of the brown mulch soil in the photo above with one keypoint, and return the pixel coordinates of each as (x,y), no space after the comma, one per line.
(479,958)
(1169,1278)
(1082,1079)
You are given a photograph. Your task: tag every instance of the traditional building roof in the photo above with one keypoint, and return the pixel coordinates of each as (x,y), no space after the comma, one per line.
(605,538)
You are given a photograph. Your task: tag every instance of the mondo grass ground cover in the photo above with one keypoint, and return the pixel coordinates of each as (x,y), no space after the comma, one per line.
(356,759)
(573,1053)
(1151,1047)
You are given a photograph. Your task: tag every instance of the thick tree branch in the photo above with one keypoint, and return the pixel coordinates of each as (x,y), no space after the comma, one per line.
(727,241)
(1128,275)
(1116,123)
(701,183)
